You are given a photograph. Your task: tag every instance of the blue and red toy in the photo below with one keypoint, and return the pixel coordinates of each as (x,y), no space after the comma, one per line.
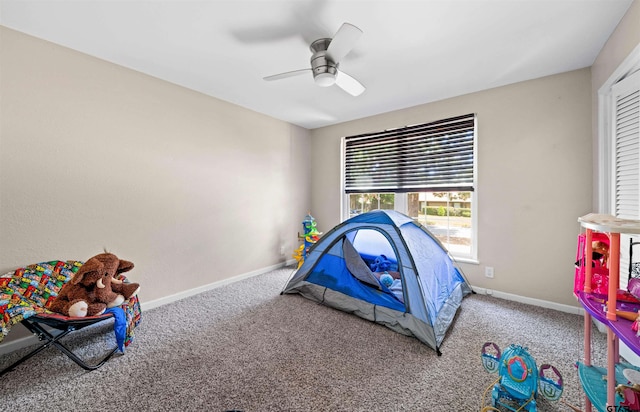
(519,381)
(311,236)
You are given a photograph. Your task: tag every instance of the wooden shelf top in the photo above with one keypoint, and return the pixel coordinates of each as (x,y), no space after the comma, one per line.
(609,223)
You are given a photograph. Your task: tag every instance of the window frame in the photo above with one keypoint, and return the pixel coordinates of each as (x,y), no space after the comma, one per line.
(605,138)
(606,176)
(401,198)
(629,85)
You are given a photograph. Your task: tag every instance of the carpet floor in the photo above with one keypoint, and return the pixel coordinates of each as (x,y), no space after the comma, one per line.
(245,347)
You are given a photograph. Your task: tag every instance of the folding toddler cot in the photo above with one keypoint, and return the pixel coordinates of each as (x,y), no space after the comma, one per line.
(25,295)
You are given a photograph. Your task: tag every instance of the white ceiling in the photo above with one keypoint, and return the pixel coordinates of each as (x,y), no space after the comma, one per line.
(411,52)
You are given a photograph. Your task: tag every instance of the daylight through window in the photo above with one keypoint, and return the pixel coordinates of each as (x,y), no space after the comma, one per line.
(426,171)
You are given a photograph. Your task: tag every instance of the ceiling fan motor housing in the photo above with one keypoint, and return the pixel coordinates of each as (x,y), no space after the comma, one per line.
(326,55)
(324,70)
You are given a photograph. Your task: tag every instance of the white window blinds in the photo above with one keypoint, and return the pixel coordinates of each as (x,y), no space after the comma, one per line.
(626,121)
(436,156)
(626,136)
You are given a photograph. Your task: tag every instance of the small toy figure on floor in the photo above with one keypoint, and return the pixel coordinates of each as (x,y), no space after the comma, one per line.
(519,380)
(311,236)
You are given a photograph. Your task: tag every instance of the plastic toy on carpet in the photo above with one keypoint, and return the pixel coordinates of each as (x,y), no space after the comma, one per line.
(310,236)
(519,379)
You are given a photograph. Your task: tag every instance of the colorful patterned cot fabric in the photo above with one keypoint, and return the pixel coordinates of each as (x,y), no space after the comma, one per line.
(30,290)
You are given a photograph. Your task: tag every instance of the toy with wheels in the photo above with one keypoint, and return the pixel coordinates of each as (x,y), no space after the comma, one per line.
(519,380)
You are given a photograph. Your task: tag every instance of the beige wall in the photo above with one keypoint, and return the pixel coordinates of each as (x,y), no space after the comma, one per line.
(190,188)
(534,178)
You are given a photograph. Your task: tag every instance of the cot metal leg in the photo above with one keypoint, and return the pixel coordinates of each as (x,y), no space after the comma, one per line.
(50,339)
(32,353)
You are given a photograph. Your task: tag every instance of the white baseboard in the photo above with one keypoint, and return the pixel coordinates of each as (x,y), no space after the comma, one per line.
(196,291)
(530,301)
(16,344)
(8,347)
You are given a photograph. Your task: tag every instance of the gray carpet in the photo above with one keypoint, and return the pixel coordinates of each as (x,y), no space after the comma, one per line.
(245,347)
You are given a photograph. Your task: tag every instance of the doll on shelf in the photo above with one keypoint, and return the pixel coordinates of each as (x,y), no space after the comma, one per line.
(600,253)
(632,316)
(630,395)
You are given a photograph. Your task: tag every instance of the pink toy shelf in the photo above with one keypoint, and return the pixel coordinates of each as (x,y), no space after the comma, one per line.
(597,289)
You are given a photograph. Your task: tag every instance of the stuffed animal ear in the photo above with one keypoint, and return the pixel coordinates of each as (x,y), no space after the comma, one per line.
(124,266)
(90,267)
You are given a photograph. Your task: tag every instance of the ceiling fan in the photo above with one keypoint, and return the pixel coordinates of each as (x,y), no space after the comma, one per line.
(325,61)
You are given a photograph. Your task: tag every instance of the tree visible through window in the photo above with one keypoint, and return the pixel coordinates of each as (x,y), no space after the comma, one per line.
(366,202)
(447,215)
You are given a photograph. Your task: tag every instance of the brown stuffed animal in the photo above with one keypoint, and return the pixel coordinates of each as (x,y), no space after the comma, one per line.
(93,288)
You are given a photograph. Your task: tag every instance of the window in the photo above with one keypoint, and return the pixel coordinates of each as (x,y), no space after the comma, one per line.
(619,149)
(447,215)
(625,115)
(626,137)
(366,202)
(425,171)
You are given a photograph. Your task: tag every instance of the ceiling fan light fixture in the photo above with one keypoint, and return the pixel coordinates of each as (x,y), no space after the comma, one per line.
(325,60)
(325,79)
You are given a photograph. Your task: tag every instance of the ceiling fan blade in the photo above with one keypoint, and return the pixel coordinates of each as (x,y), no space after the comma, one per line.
(349,84)
(343,41)
(286,74)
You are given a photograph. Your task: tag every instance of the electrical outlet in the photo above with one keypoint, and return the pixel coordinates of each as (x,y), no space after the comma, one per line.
(282,250)
(488,272)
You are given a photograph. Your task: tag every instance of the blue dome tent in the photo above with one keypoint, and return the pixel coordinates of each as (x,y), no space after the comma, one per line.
(343,268)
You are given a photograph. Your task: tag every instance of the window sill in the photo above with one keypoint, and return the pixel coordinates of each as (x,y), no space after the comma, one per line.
(466,260)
